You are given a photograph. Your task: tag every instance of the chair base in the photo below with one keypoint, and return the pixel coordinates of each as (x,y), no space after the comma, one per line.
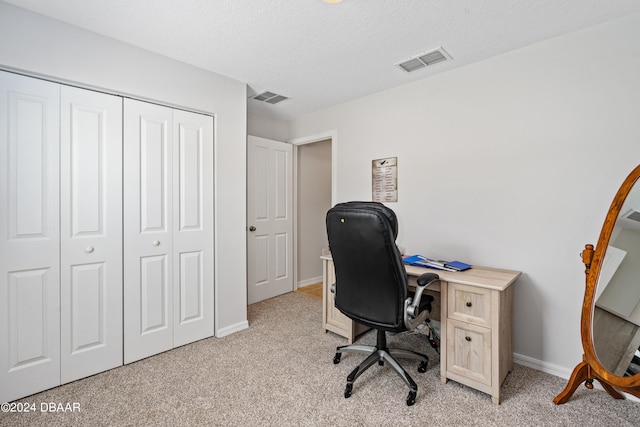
(380,353)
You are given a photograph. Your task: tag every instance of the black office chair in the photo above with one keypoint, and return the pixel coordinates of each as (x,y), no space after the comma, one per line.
(371,285)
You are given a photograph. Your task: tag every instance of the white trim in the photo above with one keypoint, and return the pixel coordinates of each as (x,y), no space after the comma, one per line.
(558,371)
(333,136)
(107,91)
(322,136)
(228,330)
(309,282)
(313,138)
(294,189)
(539,365)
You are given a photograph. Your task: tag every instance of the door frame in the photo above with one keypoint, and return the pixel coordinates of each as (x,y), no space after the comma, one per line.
(332,136)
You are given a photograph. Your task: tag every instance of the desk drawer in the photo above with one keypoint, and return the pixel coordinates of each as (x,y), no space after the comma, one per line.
(469,351)
(469,304)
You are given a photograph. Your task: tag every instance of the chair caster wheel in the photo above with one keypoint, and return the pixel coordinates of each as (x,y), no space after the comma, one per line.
(347,391)
(336,358)
(422,367)
(411,398)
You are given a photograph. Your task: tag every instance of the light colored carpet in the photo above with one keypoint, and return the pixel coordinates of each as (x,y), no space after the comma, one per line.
(280,372)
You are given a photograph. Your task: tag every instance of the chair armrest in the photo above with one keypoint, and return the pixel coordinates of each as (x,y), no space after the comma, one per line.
(412,315)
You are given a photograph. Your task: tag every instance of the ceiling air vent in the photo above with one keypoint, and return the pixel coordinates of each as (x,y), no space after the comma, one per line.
(633,215)
(270,97)
(425,59)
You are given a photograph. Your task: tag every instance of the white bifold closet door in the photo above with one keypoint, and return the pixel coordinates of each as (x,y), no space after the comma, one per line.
(90,232)
(168,228)
(29,236)
(60,234)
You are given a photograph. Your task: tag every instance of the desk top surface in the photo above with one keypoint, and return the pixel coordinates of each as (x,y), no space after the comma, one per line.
(484,277)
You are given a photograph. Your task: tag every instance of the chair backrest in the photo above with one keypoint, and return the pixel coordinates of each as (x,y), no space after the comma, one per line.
(371,281)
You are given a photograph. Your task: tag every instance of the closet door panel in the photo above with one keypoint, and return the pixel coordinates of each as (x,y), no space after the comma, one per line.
(193,226)
(154,289)
(29,236)
(91,232)
(148,215)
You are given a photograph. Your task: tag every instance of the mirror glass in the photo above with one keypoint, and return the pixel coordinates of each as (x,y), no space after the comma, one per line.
(616,315)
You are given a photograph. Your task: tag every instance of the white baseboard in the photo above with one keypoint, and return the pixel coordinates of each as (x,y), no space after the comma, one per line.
(549,368)
(309,282)
(558,371)
(223,332)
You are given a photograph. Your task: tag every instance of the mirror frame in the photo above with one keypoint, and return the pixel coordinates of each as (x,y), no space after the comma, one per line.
(591,368)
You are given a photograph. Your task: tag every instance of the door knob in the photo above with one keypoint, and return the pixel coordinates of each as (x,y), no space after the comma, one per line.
(252,228)
(156,242)
(88,249)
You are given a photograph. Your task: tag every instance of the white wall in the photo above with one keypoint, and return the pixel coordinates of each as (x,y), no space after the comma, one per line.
(511,162)
(267,127)
(46,47)
(313,202)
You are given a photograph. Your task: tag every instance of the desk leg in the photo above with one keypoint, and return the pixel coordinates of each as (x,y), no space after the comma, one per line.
(444,314)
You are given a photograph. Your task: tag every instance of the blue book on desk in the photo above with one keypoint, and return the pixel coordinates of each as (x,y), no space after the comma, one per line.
(422,261)
(457,265)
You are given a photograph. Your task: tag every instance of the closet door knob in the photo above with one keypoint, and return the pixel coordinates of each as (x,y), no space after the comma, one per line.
(156,243)
(252,228)
(468,303)
(88,249)
(467,338)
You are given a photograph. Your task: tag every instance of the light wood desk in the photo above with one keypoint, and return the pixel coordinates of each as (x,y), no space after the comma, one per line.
(476,318)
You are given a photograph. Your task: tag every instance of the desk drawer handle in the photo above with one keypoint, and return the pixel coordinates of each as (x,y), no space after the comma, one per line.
(468,303)
(468,338)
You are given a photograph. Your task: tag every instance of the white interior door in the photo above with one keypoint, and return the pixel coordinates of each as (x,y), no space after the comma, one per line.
(90,232)
(148,218)
(29,236)
(192,227)
(269,218)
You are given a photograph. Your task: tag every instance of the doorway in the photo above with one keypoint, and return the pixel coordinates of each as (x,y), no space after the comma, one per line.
(313,190)
(314,194)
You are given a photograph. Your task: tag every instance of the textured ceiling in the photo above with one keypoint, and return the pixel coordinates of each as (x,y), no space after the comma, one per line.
(320,54)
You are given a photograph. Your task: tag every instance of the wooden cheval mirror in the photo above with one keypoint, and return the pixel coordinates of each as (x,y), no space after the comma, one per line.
(610,325)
